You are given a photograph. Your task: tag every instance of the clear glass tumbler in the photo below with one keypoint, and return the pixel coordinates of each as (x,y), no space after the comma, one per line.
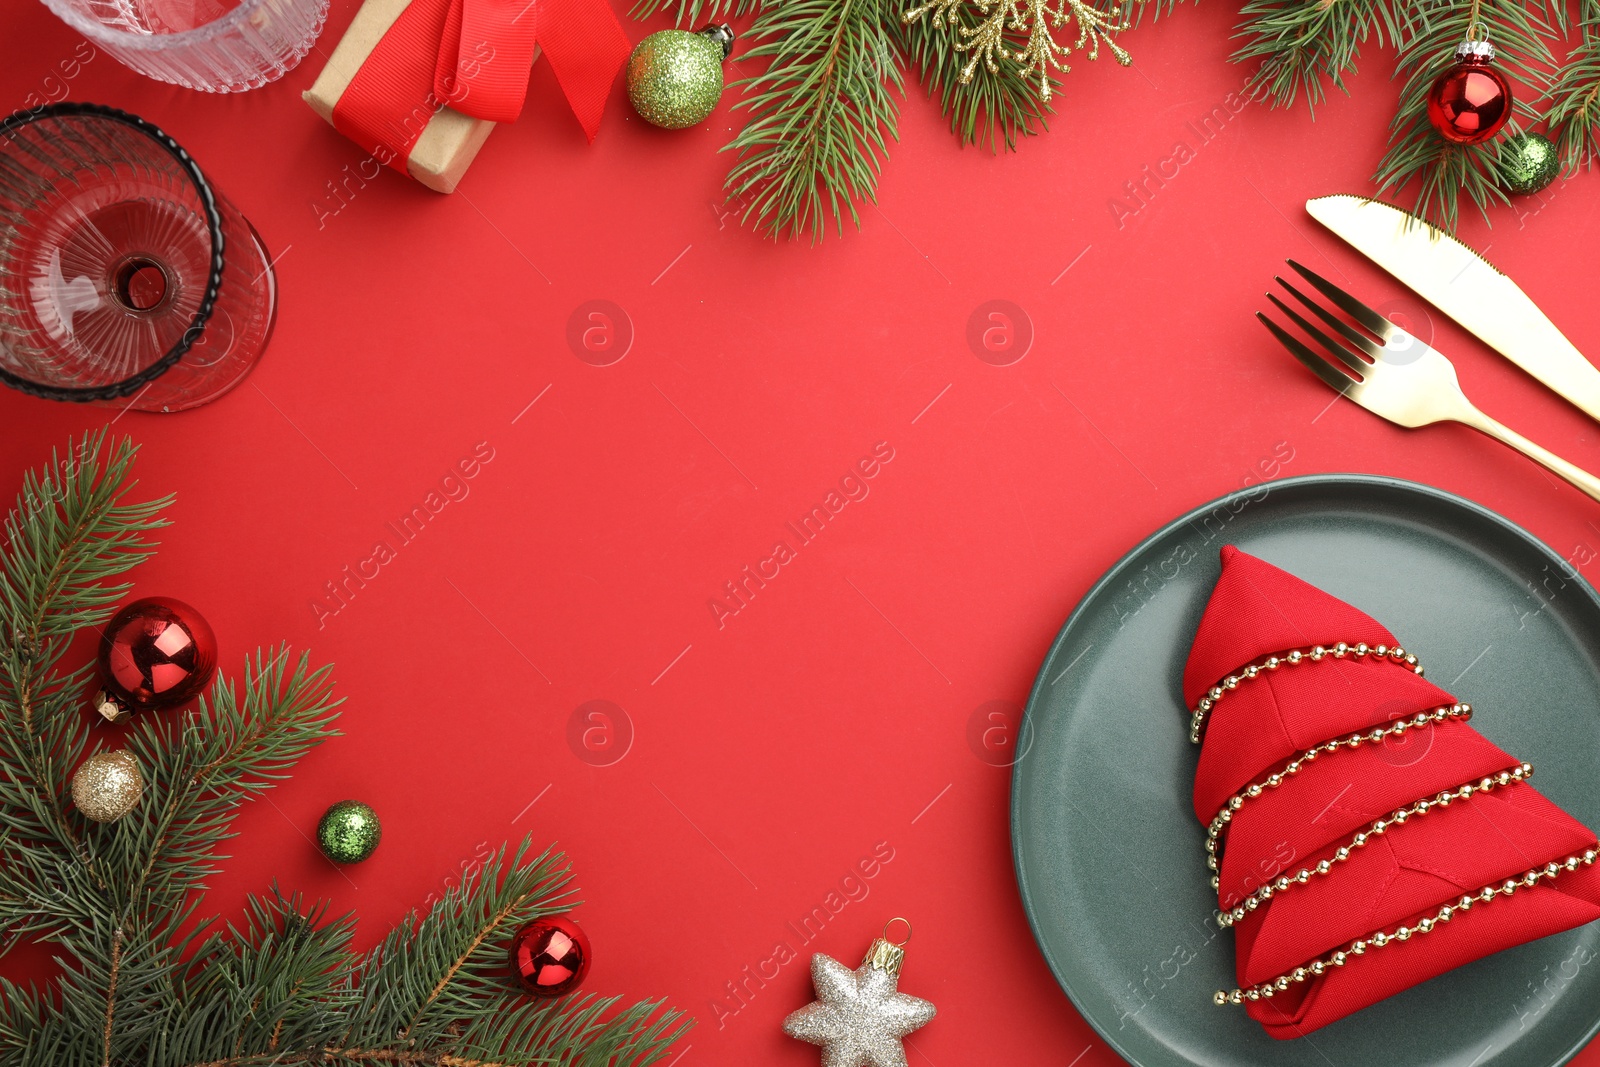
(123,272)
(219,46)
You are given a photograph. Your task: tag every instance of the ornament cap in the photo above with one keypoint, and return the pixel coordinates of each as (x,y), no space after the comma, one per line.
(1471,51)
(722,33)
(110,708)
(886,955)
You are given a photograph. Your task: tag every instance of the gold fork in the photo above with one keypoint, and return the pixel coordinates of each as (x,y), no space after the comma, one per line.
(1402,380)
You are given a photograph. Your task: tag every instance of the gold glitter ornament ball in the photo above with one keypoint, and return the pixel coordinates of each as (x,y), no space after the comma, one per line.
(675,77)
(107,786)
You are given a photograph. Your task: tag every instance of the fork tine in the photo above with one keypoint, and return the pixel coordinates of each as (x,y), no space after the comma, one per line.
(1332,378)
(1335,349)
(1351,306)
(1354,336)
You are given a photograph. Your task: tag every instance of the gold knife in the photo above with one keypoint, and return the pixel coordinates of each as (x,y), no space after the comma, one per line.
(1465,286)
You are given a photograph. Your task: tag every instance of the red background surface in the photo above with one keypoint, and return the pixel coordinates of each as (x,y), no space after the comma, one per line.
(832,713)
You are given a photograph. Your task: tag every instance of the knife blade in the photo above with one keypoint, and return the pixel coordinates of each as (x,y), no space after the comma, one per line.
(1466,287)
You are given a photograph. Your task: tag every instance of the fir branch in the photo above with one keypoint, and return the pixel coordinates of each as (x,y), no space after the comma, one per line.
(70,533)
(819,114)
(1300,48)
(996,107)
(202,768)
(692,13)
(419,980)
(1559,13)
(1440,170)
(111,994)
(121,972)
(1574,113)
(278,987)
(639,1034)
(357,1057)
(21,1012)
(1134,11)
(145,980)
(427,985)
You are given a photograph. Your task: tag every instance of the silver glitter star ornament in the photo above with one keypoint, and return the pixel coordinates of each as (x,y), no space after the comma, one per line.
(860,1016)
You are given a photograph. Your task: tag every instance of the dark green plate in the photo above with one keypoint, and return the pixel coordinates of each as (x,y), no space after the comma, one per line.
(1109,854)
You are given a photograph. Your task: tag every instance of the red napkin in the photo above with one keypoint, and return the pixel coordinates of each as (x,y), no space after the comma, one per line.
(1397,878)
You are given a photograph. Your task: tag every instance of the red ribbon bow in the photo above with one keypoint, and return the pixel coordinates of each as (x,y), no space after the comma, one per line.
(474,56)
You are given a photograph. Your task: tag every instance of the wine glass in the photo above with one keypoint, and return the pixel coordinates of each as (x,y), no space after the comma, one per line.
(123,272)
(219,46)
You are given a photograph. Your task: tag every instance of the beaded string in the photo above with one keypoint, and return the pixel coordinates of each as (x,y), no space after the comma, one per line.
(1315,654)
(1224,816)
(1380,939)
(1398,817)
(1427,925)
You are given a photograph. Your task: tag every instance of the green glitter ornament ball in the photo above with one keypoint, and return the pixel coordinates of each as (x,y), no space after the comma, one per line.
(675,77)
(349,832)
(1529,162)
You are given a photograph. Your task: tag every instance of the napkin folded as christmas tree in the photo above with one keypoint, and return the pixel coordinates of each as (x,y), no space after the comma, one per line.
(1407,844)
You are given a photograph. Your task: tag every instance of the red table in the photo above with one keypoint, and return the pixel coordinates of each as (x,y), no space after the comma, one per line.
(830,719)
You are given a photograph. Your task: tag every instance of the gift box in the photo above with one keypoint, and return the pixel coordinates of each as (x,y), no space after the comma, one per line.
(421,83)
(446,140)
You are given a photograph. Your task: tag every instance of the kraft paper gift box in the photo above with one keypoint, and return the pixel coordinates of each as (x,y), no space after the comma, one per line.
(448,140)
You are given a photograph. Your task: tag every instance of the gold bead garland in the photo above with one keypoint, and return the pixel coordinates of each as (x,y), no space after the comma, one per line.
(1404,933)
(1398,817)
(1225,815)
(1315,654)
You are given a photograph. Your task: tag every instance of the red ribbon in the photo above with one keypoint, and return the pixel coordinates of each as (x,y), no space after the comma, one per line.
(474,56)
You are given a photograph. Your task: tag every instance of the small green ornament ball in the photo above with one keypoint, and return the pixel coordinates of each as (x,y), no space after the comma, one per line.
(349,832)
(1530,162)
(675,77)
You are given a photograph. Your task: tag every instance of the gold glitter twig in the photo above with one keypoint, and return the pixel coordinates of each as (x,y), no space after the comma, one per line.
(992,40)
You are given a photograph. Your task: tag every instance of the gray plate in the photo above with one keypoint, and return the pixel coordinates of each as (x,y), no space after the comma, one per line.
(1109,854)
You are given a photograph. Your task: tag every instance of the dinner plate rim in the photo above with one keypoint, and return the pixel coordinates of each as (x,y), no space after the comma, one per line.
(1250,494)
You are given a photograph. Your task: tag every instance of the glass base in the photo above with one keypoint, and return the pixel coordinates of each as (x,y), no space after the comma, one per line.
(217,363)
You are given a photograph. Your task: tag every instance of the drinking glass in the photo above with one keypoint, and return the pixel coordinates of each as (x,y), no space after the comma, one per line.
(123,272)
(219,46)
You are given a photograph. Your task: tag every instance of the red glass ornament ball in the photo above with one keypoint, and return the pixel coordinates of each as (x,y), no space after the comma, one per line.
(157,653)
(550,956)
(1470,102)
